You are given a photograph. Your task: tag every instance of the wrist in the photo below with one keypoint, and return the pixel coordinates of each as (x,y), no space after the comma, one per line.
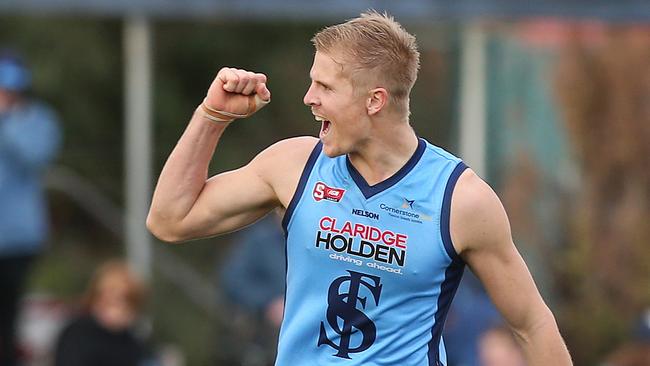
(214,115)
(255,103)
(204,118)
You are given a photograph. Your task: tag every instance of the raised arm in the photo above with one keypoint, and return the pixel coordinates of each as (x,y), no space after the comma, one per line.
(481,234)
(186,204)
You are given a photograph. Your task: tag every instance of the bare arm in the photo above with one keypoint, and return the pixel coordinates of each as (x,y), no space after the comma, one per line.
(481,234)
(186,204)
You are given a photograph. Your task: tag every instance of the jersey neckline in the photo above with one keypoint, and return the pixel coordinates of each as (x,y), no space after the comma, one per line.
(369,191)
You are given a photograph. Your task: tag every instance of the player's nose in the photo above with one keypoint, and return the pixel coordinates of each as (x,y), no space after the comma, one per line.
(310,96)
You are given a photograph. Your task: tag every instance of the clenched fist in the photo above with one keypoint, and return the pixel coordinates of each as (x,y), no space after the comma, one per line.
(236,93)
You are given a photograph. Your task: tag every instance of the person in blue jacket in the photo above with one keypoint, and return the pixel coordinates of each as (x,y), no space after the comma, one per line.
(252,280)
(253,275)
(29,141)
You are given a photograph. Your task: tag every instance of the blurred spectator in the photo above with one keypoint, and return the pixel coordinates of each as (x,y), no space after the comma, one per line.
(471,314)
(630,354)
(29,140)
(637,351)
(253,279)
(102,335)
(253,276)
(497,347)
(42,316)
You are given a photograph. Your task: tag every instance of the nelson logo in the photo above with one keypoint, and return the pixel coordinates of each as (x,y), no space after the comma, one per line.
(353,321)
(364,213)
(324,192)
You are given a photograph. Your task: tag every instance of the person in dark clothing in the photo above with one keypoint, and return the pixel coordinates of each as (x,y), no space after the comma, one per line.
(102,335)
(86,342)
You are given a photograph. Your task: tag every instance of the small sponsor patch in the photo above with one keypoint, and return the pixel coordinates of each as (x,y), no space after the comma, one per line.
(324,192)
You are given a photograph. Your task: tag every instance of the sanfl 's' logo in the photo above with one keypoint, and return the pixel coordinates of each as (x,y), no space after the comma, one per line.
(344,306)
(324,192)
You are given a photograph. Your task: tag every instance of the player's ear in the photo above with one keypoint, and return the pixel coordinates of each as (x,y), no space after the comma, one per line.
(377,99)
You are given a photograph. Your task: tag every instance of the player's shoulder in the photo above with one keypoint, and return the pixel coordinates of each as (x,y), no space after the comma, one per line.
(477,214)
(294,145)
(287,154)
(282,163)
(471,192)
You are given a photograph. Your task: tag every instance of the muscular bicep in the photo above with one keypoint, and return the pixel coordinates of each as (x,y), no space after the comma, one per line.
(229,201)
(481,234)
(234,199)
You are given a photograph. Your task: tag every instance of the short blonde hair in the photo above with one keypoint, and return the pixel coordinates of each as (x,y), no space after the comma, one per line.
(376,49)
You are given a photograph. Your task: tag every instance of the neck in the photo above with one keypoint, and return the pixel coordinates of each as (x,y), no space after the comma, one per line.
(386,152)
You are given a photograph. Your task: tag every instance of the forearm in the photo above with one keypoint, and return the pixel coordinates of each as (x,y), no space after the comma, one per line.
(184,205)
(542,344)
(184,174)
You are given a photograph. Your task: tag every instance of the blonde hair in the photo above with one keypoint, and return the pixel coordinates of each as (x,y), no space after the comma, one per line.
(116,269)
(376,49)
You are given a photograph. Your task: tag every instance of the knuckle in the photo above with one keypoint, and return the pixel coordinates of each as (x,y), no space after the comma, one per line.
(223,74)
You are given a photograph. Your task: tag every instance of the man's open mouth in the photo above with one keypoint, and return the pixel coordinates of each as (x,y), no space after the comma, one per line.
(325,125)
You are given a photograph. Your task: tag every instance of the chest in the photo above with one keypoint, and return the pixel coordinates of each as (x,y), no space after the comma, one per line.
(394,233)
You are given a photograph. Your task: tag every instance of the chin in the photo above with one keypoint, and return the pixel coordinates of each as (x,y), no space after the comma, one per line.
(331,151)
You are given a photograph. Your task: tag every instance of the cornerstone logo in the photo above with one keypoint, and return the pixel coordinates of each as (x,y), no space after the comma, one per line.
(406,211)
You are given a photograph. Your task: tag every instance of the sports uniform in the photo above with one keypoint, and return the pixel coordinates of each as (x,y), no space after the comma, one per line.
(371,270)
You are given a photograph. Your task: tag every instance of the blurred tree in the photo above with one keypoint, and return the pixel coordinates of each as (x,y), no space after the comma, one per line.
(604,88)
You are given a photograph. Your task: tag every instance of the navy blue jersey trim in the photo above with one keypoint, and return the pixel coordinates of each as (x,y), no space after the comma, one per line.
(368,190)
(301,186)
(453,275)
(445,215)
(454,272)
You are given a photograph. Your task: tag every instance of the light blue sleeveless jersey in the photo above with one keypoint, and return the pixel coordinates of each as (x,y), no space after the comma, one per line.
(371,270)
